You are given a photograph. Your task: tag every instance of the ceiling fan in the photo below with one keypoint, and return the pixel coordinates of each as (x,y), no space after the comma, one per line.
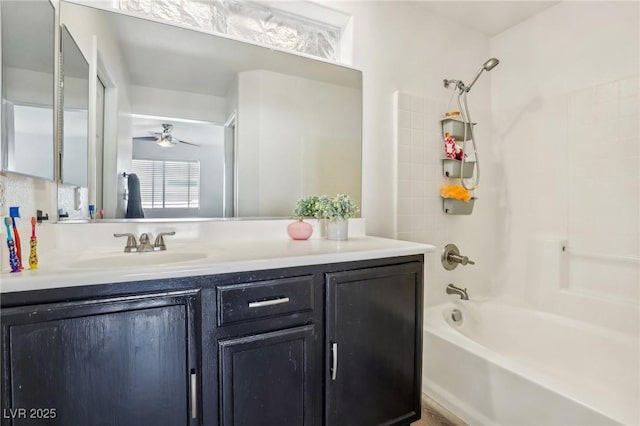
(164,138)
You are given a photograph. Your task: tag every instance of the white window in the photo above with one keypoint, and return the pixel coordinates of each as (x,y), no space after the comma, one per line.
(303,27)
(168,184)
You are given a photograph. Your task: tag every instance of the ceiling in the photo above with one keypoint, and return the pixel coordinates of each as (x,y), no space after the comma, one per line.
(488,17)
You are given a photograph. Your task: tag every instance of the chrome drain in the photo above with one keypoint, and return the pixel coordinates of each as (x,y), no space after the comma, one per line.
(456,316)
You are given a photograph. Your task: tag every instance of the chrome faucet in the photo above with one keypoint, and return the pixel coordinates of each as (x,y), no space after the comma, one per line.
(145,245)
(145,242)
(452,289)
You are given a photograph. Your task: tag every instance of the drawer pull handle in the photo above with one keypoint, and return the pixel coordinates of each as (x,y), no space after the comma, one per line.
(334,361)
(270,302)
(194,394)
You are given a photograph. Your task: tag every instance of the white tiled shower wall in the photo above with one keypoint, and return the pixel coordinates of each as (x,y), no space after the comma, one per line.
(603,186)
(420,215)
(566,149)
(559,151)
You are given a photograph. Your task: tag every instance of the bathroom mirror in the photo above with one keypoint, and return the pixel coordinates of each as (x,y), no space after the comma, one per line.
(214,127)
(75,118)
(28,48)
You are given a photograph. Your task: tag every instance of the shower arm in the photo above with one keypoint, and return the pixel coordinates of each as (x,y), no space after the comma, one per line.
(460,86)
(478,74)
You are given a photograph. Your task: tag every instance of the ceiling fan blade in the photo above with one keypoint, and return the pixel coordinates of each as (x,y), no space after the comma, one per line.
(188,143)
(145,138)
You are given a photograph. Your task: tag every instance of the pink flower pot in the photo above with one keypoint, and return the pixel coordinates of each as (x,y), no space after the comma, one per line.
(300,230)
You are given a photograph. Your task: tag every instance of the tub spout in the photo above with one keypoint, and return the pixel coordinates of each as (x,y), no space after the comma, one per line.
(452,289)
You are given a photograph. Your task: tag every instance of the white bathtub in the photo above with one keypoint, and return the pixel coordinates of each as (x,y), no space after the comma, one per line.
(506,365)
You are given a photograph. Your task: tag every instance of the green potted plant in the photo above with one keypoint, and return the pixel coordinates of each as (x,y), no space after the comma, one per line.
(337,211)
(306,207)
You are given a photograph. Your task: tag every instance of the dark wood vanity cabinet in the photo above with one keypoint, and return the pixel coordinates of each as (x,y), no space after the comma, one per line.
(116,361)
(266,378)
(335,345)
(374,345)
(269,347)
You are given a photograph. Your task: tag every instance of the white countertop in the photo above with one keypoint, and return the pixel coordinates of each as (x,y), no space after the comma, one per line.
(214,258)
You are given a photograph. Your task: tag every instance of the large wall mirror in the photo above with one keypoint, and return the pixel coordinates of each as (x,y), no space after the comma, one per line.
(75,117)
(213,127)
(28,84)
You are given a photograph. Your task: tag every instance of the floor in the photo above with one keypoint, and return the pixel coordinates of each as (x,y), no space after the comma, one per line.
(433,414)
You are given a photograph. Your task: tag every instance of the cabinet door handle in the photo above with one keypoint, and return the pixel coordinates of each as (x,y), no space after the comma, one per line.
(269,302)
(334,360)
(194,396)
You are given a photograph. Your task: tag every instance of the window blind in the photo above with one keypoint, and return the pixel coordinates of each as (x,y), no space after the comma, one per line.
(168,184)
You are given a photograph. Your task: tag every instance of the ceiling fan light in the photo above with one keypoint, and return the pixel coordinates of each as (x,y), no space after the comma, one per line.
(165,143)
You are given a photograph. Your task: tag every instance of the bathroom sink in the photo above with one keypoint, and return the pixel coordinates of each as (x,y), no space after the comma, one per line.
(126,260)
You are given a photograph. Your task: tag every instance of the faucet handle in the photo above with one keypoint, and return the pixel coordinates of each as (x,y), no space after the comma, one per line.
(159,243)
(132,245)
(463,260)
(451,258)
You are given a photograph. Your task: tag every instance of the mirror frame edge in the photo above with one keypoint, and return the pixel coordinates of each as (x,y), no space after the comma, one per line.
(60,106)
(57,127)
(55,5)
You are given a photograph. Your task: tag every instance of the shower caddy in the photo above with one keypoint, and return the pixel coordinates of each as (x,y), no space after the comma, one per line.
(463,128)
(452,168)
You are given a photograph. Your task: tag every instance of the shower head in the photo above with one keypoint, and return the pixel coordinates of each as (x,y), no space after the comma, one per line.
(487,66)
(490,64)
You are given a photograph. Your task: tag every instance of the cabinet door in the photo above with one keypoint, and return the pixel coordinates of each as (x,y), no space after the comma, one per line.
(126,361)
(374,346)
(267,379)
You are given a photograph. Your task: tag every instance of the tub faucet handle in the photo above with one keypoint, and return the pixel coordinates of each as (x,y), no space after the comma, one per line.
(451,258)
(463,260)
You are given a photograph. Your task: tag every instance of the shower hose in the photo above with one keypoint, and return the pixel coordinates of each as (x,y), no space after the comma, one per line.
(466,118)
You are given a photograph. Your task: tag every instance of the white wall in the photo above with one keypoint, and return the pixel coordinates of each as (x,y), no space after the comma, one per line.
(27,86)
(316,152)
(565,117)
(30,139)
(177,104)
(32,143)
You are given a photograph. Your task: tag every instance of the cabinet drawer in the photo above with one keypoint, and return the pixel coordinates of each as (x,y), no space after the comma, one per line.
(250,301)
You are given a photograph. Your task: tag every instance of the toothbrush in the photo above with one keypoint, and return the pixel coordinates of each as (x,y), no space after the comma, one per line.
(13,259)
(15,212)
(33,243)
